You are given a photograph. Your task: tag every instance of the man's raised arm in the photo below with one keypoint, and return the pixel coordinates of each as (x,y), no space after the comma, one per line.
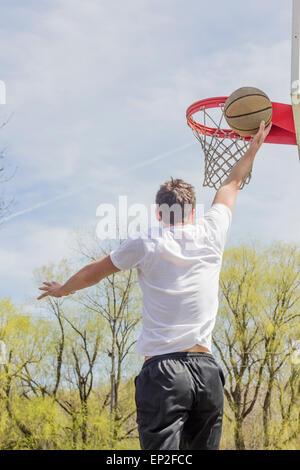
(86,277)
(228,192)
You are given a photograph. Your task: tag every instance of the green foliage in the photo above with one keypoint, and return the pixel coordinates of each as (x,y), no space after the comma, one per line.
(258,324)
(68,381)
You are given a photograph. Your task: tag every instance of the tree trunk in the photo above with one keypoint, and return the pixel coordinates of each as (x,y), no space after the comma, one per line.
(84,412)
(74,431)
(113,382)
(238,434)
(266,412)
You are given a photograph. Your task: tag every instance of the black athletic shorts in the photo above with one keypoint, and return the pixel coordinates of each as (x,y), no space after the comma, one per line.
(179,401)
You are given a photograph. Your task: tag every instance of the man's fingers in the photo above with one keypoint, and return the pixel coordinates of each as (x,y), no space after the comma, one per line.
(42,296)
(261,128)
(262,133)
(50,288)
(269,128)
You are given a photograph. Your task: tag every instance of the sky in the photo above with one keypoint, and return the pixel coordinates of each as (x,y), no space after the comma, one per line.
(96,99)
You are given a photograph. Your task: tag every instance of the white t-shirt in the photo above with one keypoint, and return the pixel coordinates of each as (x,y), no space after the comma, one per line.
(178,272)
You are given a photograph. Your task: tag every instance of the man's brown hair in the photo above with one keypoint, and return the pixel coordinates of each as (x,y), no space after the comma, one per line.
(179,198)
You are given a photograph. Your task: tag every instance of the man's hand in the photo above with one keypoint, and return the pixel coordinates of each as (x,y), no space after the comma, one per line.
(228,192)
(261,136)
(54,289)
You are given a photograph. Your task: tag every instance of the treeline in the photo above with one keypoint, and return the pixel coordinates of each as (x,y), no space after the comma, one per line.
(257,342)
(67,382)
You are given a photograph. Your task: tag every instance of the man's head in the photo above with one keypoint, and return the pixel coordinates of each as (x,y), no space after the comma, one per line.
(176,202)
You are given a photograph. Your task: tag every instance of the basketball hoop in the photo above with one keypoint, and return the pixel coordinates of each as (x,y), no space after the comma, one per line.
(222,147)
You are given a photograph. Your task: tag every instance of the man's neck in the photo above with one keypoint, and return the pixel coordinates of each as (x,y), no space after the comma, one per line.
(177,225)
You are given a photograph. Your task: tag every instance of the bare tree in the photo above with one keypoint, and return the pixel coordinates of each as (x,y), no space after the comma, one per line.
(117,301)
(84,349)
(287,384)
(4,178)
(280,317)
(22,353)
(237,337)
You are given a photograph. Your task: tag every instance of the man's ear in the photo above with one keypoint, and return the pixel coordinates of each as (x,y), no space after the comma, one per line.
(157,214)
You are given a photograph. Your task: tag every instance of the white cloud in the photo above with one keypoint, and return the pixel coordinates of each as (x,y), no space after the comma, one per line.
(99,87)
(28,249)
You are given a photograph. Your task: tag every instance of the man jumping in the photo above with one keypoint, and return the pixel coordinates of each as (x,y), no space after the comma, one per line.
(179,391)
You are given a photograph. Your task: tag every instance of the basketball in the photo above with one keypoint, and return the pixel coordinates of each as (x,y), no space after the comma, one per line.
(246,108)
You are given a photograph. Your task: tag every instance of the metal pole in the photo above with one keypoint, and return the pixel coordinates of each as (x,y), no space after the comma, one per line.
(295,86)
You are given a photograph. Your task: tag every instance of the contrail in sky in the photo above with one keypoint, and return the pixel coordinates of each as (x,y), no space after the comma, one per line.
(79,190)
(158,157)
(41,204)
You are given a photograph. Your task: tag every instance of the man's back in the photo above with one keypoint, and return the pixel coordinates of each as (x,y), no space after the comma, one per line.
(178,273)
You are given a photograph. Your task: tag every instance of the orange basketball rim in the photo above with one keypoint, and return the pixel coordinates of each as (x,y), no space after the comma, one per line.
(223,147)
(282,132)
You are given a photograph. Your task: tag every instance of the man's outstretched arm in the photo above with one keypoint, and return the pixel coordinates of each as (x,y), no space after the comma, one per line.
(86,277)
(227,194)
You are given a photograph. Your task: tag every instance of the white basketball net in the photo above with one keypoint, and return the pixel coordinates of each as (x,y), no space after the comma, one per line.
(221,152)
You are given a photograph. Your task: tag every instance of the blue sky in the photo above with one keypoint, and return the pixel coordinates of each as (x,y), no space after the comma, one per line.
(96,88)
